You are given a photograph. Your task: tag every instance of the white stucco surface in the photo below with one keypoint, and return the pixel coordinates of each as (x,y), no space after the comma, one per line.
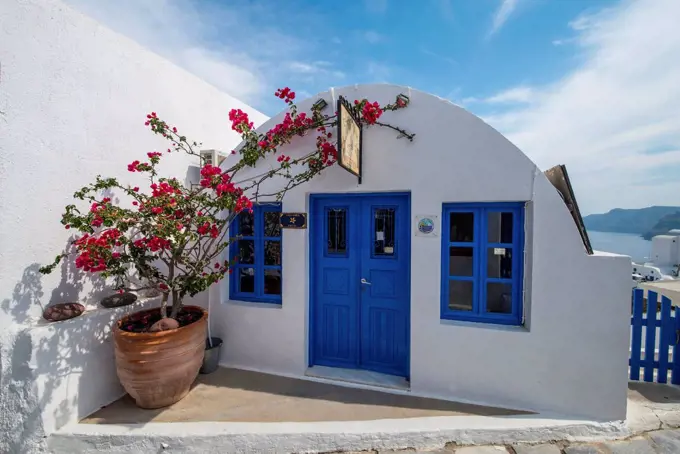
(571,356)
(73,97)
(425,434)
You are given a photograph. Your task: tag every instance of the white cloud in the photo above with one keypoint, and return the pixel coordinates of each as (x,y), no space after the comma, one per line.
(241,50)
(513,95)
(604,118)
(589,19)
(516,95)
(316,68)
(502,14)
(212,67)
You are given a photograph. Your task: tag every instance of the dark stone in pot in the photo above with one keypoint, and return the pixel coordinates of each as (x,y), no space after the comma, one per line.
(118,300)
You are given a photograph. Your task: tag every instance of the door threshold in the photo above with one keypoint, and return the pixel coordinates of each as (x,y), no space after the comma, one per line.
(359,376)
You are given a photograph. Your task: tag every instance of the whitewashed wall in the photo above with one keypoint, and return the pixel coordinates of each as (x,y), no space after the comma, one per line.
(74,97)
(570,359)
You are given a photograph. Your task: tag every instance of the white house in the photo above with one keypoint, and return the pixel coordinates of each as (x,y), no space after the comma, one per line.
(499,304)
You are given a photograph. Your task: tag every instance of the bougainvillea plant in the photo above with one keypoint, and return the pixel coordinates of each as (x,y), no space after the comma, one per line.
(171,237)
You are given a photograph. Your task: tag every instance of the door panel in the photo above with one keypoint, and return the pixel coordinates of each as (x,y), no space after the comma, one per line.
(335,280)
(360,282)
(385,297)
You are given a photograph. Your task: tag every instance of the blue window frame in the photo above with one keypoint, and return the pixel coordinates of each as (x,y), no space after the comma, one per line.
(256,246)
(482,262)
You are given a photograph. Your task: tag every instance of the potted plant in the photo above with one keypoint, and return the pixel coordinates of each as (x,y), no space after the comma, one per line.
(173,238)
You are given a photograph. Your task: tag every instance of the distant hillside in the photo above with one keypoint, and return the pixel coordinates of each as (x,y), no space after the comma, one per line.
(642,221)
(666,223)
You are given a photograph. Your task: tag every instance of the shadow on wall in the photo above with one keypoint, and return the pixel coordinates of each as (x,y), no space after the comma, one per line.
(48,371)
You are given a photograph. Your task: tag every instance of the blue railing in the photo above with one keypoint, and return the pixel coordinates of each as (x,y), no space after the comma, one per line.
(660,331)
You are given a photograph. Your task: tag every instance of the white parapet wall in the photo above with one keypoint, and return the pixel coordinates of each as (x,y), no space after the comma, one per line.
(73,97)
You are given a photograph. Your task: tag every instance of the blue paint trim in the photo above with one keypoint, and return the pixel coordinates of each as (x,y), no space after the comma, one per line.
(314,233)
(675,374)
(480,246)
(667,333)
(258,229)
(650,335)
(636,344)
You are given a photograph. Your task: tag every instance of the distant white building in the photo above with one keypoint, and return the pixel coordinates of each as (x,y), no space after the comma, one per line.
(664,259)
(665,250)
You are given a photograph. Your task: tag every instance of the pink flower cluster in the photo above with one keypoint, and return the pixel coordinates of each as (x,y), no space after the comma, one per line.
(215,179)
(282,132)
(154,244)
(163,188)
(206,228)
(93,250)
(286,94)
(371,112)
(239,120)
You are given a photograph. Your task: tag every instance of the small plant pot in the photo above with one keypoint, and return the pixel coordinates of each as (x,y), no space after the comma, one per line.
(211,359)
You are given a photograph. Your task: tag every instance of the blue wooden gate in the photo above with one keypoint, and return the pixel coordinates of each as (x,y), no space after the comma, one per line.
(657,334)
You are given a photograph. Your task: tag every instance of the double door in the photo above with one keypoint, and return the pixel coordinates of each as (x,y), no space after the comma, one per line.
(360,290)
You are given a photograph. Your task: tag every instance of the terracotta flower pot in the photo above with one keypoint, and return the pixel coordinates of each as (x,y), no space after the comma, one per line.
(158,369)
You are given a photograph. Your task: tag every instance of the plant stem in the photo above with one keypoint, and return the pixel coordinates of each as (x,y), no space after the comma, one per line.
(164,305)
(176,303)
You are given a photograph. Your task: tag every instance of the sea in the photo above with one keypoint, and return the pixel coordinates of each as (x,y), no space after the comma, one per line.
(630,244)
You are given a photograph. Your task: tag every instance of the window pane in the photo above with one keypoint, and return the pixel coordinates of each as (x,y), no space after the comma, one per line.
(246,221)
(246,278)
(272,225)
(246,251)
(337,230)
(499,297)
(272,253)
(383,235)
(461,261)
(499,262)
(460,295)
(462,227)
(272,282)
(499,227)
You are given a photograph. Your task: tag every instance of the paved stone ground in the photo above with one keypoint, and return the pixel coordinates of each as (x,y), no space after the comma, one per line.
(656,442)
(653,416)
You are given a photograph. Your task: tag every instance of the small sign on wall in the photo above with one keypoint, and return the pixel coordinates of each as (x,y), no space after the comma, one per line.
(293,220)
(427,225)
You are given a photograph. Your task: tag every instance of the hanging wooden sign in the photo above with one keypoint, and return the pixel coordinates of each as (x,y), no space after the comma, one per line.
(349,139)
(293,220)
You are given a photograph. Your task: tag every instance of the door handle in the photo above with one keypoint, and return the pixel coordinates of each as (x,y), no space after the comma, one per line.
(365,282)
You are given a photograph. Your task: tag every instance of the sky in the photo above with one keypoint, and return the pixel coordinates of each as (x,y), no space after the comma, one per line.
(592,84)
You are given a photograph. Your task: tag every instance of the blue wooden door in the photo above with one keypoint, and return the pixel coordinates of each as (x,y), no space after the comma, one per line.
(360,282)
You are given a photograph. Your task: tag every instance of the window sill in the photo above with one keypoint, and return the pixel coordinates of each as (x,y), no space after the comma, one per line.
(484,325)
(253,303)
